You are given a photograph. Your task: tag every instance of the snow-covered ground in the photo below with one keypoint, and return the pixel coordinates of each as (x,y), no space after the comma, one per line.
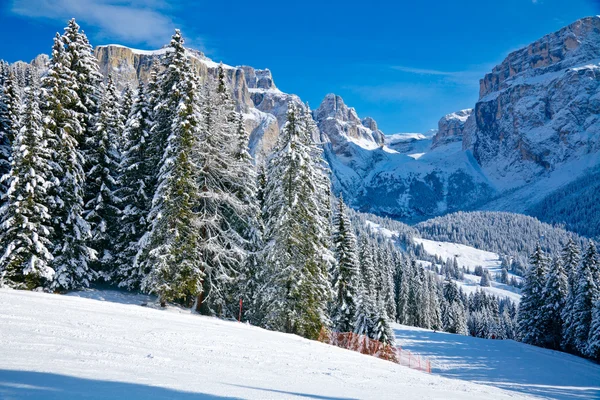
(71,347)
(471,257)
(466,256)
(504,363)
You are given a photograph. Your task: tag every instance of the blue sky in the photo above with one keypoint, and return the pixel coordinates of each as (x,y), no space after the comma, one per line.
(405,63)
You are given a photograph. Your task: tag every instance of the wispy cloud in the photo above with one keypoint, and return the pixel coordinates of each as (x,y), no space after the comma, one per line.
(134,21)
(469,76)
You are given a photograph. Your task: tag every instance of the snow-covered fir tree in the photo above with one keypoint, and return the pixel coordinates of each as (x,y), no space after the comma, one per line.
(126,104)
(9,124)
(531,323)
(554,297)
(570,258)
(136,181)
(454,319)
(294,234)
(365,306)
(173,255)
(593,349)
(87,77)
(62,121)
(585,297)
(25,232)
(226,206)
(345,274)
(252,277)
(102,209)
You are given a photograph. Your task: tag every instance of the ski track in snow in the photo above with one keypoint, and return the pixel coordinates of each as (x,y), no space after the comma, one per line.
(71,347)
(505,364)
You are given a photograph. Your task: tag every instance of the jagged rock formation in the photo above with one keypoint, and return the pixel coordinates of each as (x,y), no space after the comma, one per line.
(540,108)
(450,128)
(535,129)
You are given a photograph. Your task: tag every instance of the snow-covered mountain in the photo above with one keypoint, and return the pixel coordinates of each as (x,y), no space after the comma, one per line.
(535,129)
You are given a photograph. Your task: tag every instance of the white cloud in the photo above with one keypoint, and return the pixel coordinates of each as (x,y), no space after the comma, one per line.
(468,77)
(134,21)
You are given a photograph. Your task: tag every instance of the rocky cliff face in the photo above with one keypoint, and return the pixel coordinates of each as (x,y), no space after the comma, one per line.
(451,127)
(535,129)
(540,108)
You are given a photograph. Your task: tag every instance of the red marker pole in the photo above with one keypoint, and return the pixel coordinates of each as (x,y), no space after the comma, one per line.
(240,315)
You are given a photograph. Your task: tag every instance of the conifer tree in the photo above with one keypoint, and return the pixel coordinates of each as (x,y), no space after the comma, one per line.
(402,280)
(25,230)
(9,124)
(136,179)
(126,104)
(173,257)
(245,214)
(345,275)
(585,297)
(296,257)
(554,297)
(570,258)
(102,210)
(61,120)
(531,323)
(593,350)
(226,205)
(87,77)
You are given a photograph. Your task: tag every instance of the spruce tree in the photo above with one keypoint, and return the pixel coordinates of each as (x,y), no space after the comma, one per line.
(25,230)
(226,206)
(9,124)
(531,322)
(102,210)
(593,349)
(554,298)
(345,275)
(570,258)
(174,257)
(136,179)
(296,257)
(61,120)
(126,104)
(87,77)
(585,297)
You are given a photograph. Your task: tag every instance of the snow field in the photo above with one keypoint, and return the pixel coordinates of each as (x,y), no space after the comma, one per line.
(67,347)
(505,364)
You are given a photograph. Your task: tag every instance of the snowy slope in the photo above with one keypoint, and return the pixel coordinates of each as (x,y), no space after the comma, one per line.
(504,363)
(470,258)
(466,256)
(65,347)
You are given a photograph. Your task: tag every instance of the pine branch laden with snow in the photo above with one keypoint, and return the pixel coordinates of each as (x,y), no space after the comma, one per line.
(137,173)
(25,231)
(296,234)
(345,274)
(172,258)
(103,206)
(63,123)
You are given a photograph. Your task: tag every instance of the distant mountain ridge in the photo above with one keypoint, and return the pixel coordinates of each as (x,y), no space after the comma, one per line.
(534,130)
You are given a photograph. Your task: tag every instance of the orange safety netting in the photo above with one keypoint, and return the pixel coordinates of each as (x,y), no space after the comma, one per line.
(365,345)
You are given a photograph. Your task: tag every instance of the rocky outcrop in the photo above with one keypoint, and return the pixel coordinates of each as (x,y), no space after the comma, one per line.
(450,127)
(340,122)
(127,66)
(535,127)
(540,108)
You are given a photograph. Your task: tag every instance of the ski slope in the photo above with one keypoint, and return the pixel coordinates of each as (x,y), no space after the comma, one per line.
(506,364)
(70,347)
